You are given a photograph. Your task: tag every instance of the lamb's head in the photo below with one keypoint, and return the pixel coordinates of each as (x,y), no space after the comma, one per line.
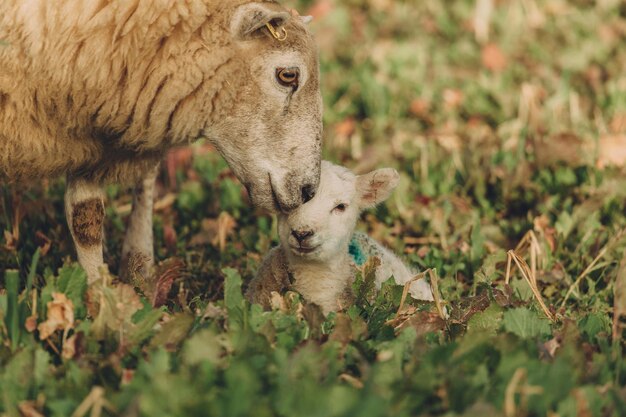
(271,135)
(321,229)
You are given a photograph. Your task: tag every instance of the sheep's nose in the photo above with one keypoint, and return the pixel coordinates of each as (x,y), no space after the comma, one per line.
(308,192)
(301,235)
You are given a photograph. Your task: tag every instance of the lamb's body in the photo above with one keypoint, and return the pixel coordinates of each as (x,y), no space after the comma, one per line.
(99,90)
(319,252)
(329,285)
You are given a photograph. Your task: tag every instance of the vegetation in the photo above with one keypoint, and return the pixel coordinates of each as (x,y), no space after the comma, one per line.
(507,122)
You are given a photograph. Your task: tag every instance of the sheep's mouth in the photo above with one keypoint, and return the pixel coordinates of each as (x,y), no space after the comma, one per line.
(304,250)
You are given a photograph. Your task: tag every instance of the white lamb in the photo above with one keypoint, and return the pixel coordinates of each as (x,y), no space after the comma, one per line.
(319,251)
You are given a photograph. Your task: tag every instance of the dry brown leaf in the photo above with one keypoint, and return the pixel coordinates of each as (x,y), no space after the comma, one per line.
(618,123)
(550,347)
(170,237)
(60,316)
(215,231)
(493,58)
(452,98)
(422,321)
(29,409)
(565,147)
(612,151)
(419,107)
(168,272)
(31,324)
(320,9)
(43,242)
(69,347)
(346,128)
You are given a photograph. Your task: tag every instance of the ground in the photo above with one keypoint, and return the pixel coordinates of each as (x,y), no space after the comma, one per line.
(507,122)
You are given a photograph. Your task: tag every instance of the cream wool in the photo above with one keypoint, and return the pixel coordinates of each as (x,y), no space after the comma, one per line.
(99,90)
(313,257)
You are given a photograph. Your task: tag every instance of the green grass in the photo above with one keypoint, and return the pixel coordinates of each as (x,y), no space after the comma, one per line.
(491,143)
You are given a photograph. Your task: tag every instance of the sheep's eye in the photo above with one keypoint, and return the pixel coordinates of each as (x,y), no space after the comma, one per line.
(288,77)
(340,208)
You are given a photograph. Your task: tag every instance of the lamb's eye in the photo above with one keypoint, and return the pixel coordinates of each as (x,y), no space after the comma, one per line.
(288,77)
(340,208)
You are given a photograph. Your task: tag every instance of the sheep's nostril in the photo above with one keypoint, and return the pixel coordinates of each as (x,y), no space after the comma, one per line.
(301,235)
(308,192)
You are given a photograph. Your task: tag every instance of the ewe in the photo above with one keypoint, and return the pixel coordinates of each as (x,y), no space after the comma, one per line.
(100,90)
(319,251)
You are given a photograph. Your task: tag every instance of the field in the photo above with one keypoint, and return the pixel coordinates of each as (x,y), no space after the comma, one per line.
(507,122)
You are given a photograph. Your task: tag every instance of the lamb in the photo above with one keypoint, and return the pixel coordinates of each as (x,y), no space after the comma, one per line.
(319,251)
(100,90)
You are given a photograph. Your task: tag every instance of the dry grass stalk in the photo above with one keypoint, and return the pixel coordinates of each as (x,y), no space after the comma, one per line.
(434,283)
(610,244)
(517,386)
(96,402)
(405,292)
(531,279)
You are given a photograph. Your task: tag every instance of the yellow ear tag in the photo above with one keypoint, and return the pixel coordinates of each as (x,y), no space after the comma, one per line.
(280,34)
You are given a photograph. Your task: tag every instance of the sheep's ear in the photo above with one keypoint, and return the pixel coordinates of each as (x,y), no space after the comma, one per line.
(250,18)
(376,187)
(306,19)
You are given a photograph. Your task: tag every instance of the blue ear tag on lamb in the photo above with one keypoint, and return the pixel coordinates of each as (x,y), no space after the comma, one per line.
(356,252)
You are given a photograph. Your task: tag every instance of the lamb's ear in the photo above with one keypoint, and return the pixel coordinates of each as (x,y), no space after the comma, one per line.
(376,187)
(249,18)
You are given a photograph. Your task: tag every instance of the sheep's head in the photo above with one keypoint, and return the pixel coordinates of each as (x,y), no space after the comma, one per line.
(322,228)
(272,132)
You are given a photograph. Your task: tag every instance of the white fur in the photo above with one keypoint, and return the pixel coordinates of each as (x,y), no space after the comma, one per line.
(321,266)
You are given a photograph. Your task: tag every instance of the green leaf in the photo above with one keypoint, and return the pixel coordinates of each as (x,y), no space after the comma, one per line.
(233,298)
(12,278)
(525,323)
(73,283)
(487,321)
(593,324)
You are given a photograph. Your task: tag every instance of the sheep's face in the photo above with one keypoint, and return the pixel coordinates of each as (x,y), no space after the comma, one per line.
(321,229)
(271,136)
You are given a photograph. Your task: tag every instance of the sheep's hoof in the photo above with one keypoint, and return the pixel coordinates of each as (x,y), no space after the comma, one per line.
(137,269)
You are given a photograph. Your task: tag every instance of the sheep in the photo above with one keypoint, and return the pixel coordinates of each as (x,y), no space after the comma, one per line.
(100,90)
(319,251)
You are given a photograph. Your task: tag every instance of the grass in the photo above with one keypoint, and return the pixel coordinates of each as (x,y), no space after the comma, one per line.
(500,117)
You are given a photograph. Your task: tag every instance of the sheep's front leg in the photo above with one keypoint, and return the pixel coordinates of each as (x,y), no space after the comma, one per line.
(84,211)
(138,248)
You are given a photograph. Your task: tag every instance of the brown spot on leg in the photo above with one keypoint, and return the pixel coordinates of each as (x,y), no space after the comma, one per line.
(87,220)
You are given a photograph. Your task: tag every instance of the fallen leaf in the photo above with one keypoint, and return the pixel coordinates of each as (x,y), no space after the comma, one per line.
(29,409)
(320,9)
(618,123)
(43,242)
(167,273)
(60,316)
(493,58)
(31,324)
(346,128)
(452,98)
(69,347)
(170,237)
(612,151)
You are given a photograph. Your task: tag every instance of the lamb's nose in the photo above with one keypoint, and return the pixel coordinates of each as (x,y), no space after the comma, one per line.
(301,235)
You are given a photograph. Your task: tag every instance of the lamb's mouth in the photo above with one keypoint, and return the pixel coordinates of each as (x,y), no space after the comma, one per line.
(304,250)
